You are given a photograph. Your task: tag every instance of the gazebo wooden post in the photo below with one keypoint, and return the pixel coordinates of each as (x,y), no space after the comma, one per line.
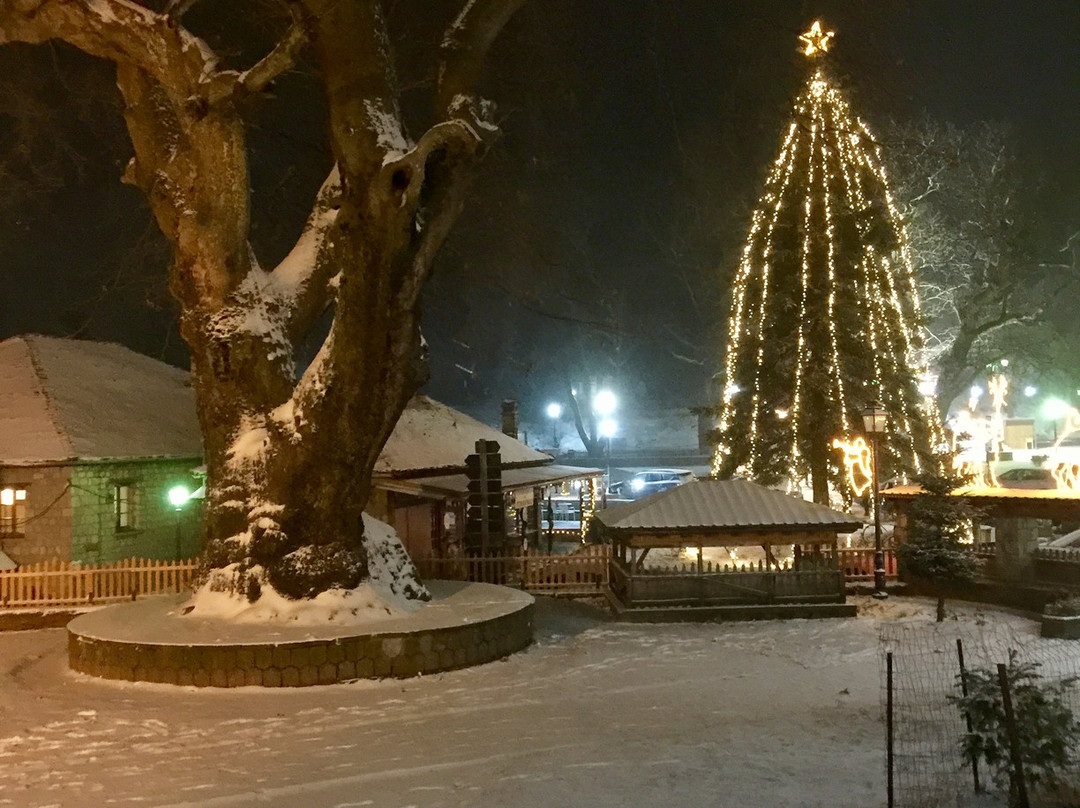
(700,576)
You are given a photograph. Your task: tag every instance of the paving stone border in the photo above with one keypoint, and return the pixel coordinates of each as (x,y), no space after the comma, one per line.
(399,654)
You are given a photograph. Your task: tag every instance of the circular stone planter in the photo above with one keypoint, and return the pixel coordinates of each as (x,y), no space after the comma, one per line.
(147,641)
(1061,627)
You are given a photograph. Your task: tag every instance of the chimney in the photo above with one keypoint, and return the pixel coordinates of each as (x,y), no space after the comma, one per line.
(510,418)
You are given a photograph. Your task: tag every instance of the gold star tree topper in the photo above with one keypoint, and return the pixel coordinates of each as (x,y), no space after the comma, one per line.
(816,40)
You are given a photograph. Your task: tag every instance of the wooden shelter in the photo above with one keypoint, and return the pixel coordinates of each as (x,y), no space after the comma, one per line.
(1015,514)
(726,513)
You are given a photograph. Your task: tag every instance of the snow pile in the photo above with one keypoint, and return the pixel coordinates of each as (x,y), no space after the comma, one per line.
(390,591)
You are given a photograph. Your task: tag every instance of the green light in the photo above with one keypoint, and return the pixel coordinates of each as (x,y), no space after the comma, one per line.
(1055,409)
(178,495)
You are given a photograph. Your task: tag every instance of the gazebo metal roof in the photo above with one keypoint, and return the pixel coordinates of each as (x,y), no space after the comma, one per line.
(724,507)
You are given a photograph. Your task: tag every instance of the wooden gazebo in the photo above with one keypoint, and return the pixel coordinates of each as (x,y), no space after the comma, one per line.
(725,513)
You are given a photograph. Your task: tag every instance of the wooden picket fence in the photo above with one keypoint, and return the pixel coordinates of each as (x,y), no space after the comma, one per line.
(583,573)
(858,563)
(61,583)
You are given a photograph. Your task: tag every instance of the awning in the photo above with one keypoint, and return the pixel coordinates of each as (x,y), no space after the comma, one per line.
(457,485)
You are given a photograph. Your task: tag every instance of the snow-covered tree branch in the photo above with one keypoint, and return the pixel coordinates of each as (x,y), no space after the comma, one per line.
(978,281)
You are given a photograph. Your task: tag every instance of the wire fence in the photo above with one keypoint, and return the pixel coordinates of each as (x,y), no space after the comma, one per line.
(928,767)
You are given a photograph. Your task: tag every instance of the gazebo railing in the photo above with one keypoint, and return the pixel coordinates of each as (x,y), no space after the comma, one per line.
(727,588)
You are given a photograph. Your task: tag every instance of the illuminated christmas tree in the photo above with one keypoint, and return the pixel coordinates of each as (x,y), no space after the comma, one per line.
(824,310)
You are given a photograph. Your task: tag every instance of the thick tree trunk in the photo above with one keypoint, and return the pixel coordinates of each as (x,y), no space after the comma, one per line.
(289,460)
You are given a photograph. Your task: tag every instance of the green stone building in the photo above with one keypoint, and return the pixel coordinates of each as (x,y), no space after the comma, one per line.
(93,437)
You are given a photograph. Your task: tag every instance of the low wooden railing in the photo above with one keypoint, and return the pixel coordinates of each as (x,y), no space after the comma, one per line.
(61,583)
(582,573)
(858,563)
(719,587)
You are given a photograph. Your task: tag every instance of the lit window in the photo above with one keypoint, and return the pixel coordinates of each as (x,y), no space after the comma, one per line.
(124,506)
(12,511)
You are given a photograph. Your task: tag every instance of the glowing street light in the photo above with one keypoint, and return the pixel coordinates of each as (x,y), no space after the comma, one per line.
(178,496)
(554,412)
(604,403)
(1030,391)
(1055,409)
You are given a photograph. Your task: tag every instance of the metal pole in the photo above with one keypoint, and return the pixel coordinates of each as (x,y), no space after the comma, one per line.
(889,761)
(179,557)
(879,554)
(1019,784)
(608,478)
(967,715)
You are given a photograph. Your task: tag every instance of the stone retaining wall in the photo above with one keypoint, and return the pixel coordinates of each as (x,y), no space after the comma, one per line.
(297,664)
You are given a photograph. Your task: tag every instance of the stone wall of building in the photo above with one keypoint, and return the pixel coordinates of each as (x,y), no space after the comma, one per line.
(155,528)
(46,533)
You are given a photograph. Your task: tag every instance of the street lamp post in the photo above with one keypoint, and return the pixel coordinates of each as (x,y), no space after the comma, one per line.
(1055,410)
(554,412)
(178,497)
(875,419)
(604,404)
(607,429)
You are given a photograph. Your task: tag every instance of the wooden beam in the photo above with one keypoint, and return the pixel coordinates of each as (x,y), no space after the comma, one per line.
(727,539)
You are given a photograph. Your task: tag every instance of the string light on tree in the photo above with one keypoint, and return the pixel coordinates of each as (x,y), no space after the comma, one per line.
(824,310)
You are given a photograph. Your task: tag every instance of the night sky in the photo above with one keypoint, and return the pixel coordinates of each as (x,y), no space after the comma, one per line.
(605,223)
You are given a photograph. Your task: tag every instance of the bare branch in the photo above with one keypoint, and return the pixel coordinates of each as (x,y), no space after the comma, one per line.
(464,48)
(120,31)
(457,141)
(178,8)
(231,85)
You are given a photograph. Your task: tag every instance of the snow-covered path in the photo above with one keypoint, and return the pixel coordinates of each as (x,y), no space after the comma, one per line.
(594,714)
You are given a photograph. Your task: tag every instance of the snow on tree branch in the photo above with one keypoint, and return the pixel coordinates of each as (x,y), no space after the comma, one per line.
(305,276)
(228,85)
(464,48)
(117,30)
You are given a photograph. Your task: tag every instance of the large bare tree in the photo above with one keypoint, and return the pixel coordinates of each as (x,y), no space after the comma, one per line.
(289,456)
(960,191)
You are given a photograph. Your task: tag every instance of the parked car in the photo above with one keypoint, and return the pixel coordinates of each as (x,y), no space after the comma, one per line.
(1031,478)
(650,481)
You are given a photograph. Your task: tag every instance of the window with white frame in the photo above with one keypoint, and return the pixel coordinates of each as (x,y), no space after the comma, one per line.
(124,506)
(12,511)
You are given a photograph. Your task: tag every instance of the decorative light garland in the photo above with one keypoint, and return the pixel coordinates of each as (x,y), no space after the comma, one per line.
(858,464)
(827,204)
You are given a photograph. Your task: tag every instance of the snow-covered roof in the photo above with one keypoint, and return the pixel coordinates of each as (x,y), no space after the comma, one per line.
(729,506)
(63,399)
(433,437)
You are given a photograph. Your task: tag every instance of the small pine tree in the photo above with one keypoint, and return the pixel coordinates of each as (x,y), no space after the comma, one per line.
(938,524)
(1048,735)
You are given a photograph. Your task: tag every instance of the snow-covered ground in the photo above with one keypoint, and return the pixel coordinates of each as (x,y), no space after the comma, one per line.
(595,714)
